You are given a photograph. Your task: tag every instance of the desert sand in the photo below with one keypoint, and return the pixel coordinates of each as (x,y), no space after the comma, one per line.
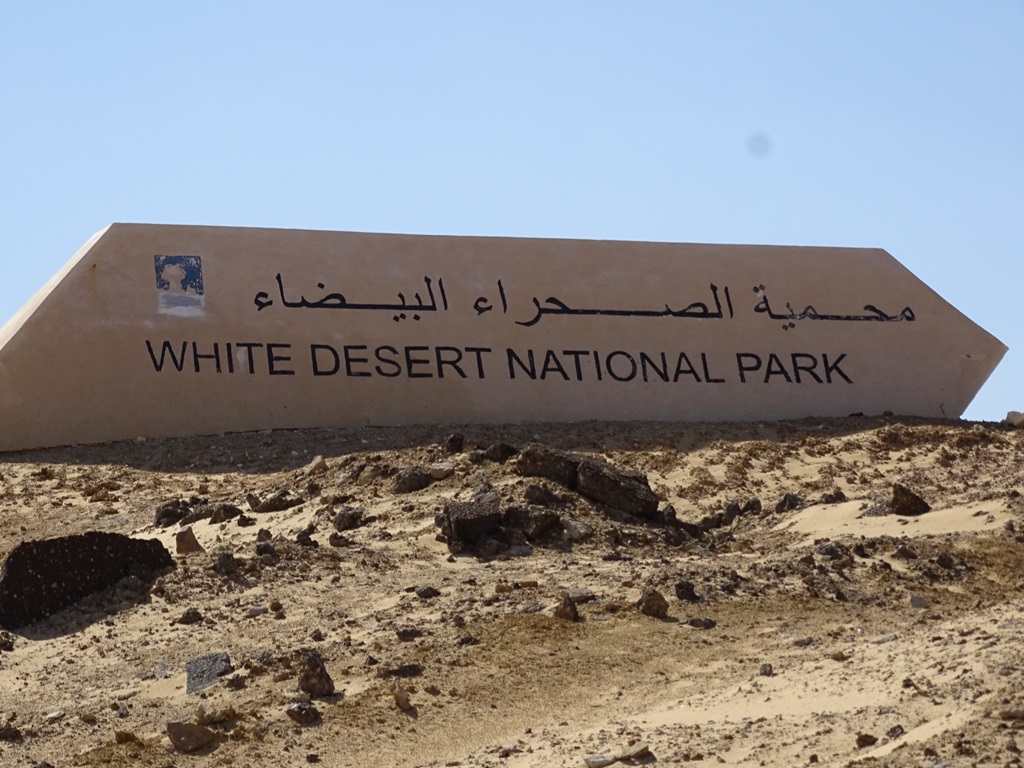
(818,628)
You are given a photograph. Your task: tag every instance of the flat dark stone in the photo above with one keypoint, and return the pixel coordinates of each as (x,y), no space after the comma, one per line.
(204,671)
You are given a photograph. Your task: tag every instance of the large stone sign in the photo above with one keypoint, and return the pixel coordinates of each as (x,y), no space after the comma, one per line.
(179,330)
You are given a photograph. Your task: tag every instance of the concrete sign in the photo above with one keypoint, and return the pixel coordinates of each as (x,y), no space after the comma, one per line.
(178,330)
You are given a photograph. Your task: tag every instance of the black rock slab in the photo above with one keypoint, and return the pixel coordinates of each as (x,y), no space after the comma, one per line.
(541,461)
(617,488)
(599,481)
(467,523)
(39,578)
(204,671)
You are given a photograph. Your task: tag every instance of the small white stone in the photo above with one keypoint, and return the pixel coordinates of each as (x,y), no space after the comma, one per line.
(442,470)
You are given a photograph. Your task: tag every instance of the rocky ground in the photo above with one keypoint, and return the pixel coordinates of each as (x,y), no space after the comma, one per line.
(839,592)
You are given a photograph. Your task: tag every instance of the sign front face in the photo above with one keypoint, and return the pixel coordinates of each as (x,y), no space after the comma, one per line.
(156,330)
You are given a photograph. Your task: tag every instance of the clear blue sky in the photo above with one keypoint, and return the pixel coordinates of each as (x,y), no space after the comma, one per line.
(875,123)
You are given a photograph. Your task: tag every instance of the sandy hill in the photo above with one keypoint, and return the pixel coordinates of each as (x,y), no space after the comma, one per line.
(775,605)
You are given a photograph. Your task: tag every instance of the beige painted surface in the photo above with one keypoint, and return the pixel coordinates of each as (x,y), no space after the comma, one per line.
(302,328)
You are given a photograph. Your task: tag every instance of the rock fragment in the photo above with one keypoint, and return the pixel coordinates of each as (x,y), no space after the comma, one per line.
(186,543)
(441,470)
(653,603)
(189,737)
(410,480)
(170,512)
(866,740)
(304,713)
(619,489)
(789,503)
(500,452)
(566,610)
(686,592)
(906,503)
(38,578)
(278,502)
(348,518)
(313,677)
(401,696)
(466,524)
(190,616)
(204,671)
(316,467)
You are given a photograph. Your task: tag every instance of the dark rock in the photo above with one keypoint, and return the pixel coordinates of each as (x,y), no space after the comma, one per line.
(766,670)
(599,481)
(830,550)
(789,503)
(467,524)
(752,506)
(427,592)
(170,512)
(539,461)
(408,634)
(188,737)
(895,732)
(8,732)
(732,511)
(454,443)
(225,564)
(866,740)
(348,518)
(686,592)
(653,603)
(500,452)
(313,677)
(702,622)
(266,548)
(279,502)
(834,497)
(905,552)
(410,480)
(6,641)
(466,640)
(38,578)
(619,489)
(534,522)
(190,616)
(337,540)
(202,672)
(906,503)
(221,512)
(304,538)
(244,521)
(945,560)
(303,713)
(540,495)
